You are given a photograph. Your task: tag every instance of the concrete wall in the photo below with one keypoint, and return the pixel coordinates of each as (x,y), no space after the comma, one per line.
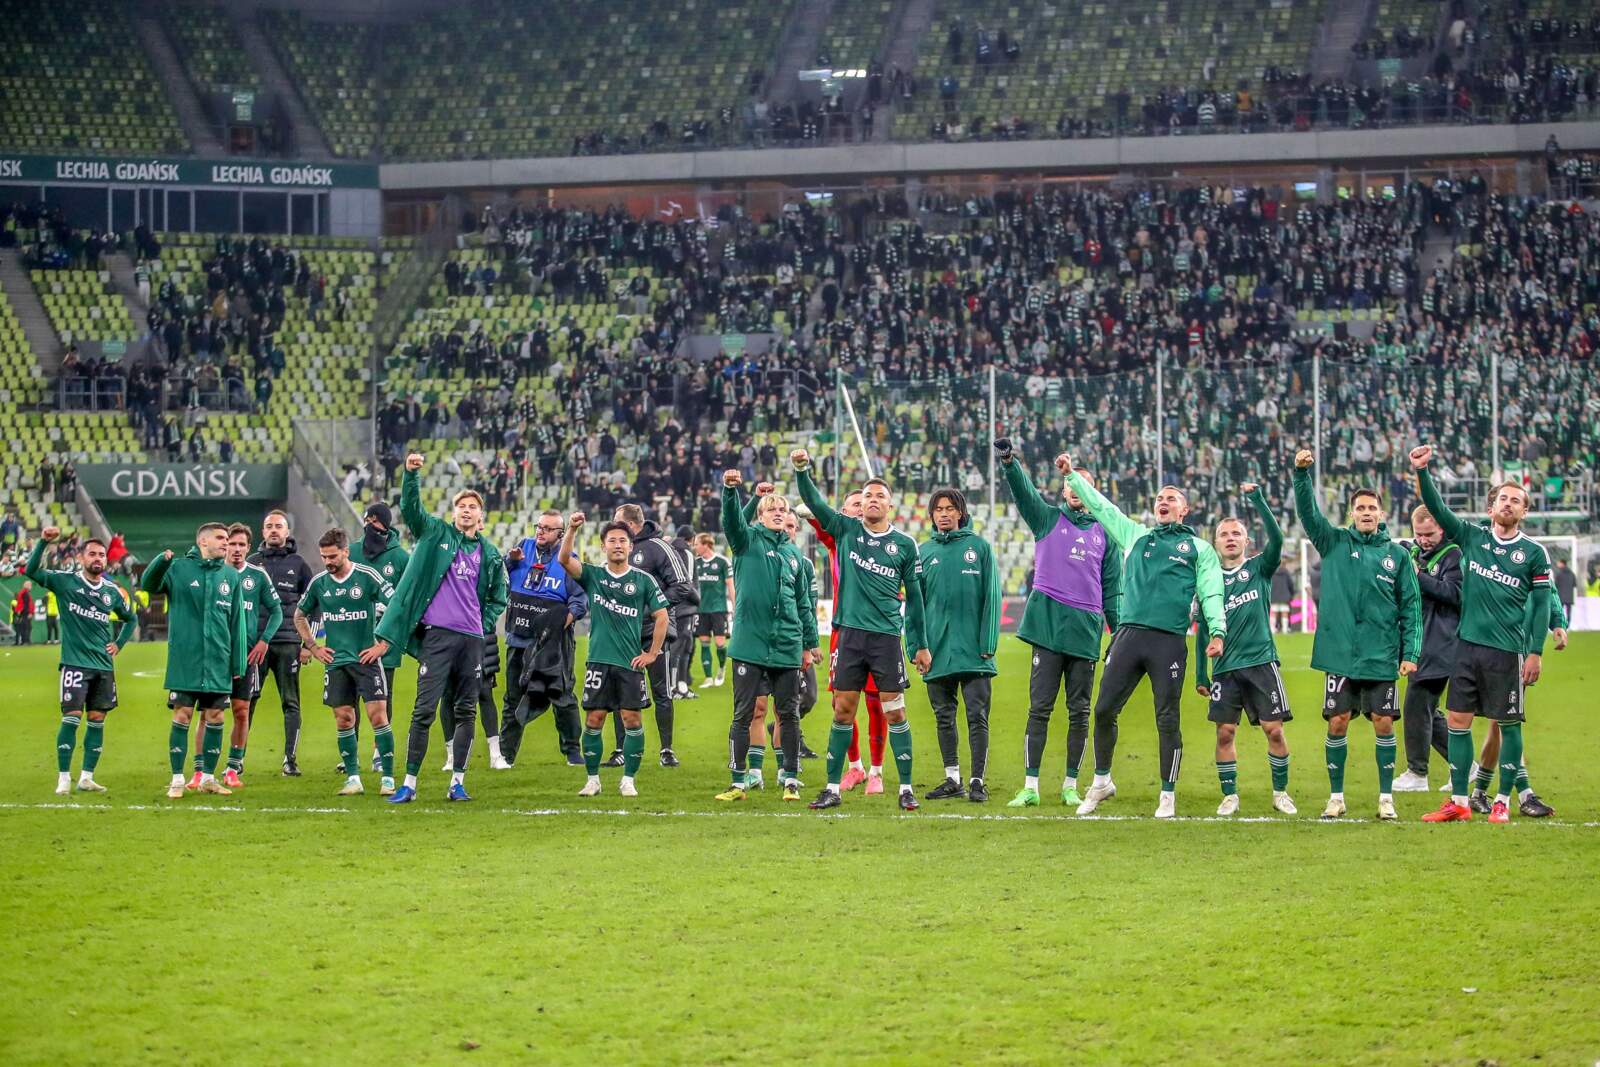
(355,212)
(905,160)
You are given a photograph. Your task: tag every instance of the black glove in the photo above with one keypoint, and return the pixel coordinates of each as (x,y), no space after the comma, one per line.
(1002,448)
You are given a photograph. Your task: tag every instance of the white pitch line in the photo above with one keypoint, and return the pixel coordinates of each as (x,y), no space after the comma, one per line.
(235,809)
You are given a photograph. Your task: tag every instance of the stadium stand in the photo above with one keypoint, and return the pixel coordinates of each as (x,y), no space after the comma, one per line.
(211,51)
(72,81)
(21,379)
(337,68)
(83,305)
(496,80)
(1043,66)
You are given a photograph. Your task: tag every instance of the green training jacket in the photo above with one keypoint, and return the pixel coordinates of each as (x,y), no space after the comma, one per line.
(391,563)
(1165,568)
(960,602)
(1369,616)
(777,618)
(207,626)
(436,544)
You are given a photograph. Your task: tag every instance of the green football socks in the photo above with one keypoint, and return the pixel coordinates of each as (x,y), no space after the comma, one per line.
(1228,775)
(93,737)
(722,656)
(383,737)
(1280,772)
(705,657)
(592,744)
(1386,754)
(900,745)
(66,739)
(347,752)
(1482,779)
(213,743)
(757,759)
(236,758)
(1459,749)
(177,745)
(632,751)
(838,749)
(1336,749)
(1510,756)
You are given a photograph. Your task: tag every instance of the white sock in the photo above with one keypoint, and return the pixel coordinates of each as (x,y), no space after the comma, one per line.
(1336,796)
(1069,782)
(1386,796)
(411,781)
(833,789)
(594,779)
(1169,792)
(1458,801)
(627,779)
(904,788)
(83,776)
(1100,780)
(1502,798)
(876,771)
(494,747)
(1521,795)
(953,773)
(204,778)
(1031,781)
(177,779)
(458,777)
(65,777)
(855,765)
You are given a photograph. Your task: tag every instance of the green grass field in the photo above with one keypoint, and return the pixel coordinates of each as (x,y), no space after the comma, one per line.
(285,925)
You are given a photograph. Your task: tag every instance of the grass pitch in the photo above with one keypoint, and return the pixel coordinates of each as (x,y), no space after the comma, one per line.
(286,925)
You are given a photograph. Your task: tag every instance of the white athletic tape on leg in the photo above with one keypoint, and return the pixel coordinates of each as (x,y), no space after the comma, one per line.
(895,703)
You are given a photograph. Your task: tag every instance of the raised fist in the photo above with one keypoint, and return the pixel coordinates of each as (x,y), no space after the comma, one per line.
(1064,463)
(1003,449)
(1304,458)
(1421,456)
(765,489)
(732,478)
(1248,487)
(800,458)
(575,521)
(50,533)
(414,461)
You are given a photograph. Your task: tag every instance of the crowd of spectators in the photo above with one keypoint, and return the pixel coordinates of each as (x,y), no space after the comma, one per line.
(1071,296)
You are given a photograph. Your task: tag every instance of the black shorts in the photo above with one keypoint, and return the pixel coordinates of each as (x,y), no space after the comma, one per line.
(182,698)
(1353,696)
(248,685)
(1487,682)
(1257,691)
(342,685)
(751,680)
(863,653)
(711,624)
(610,688)
(83,689)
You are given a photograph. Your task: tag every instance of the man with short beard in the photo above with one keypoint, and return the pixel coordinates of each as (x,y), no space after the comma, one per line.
(541,652)
(90,606)
(290,575)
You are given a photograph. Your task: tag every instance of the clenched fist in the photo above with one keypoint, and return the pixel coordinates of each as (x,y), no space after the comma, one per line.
(414,461)
(1064,463)
(50,533)
(1421,456)
(1304,458)
(732,478)
(575,521)
(765,489)
(800,458)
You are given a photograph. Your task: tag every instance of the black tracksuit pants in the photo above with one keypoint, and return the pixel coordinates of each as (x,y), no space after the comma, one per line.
(975,690)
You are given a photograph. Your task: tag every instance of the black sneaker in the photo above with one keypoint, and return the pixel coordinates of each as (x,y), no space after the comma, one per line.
(805,751)
(377,765)
(977,792)
(291,769)
(826,799)
(908,800)
(668,759)
(613,760)
(574,759)
(1534,808)
(1479,802)
(945,790)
